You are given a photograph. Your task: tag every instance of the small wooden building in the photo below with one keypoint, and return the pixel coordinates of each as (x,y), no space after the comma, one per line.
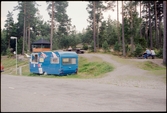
(40,45)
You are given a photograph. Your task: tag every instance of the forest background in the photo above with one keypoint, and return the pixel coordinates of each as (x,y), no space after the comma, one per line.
(129,38)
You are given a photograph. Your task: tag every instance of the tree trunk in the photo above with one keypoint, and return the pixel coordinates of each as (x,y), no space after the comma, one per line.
(131,27)
(26,38)
(150,27)
(51,36)
(156,37)
(97,35)
(123,42)
(140,9)
(160,34)
(119,41)
(135,6)
(141,22)
(94,26)
(29,37)
(165,24)
(146,29)
(24,29)
(8,36)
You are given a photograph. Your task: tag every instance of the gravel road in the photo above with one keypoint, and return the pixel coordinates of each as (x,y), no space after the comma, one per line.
(126,74)
(127,88)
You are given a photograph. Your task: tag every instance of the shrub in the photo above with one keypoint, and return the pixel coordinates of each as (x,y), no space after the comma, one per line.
(85,46)
(105,46)
(9,53)
(91,48)
(159,53)
(138,51)
(117,46)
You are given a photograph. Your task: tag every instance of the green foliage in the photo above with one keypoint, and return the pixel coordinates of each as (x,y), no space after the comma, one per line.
(117,46)
(159,53)
(102,33)
(127,48)
(86,37)
(111,32)
(91,48)
(142,41)
(65,35)
(3,42)
(105,46)
(85,46)
(139,50)
(9,53)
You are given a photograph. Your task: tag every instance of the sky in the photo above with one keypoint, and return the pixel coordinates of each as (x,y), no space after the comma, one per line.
(76,10)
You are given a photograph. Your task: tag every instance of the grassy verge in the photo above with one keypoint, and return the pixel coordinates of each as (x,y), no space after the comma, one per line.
(91,69)
(86,68)
(146,65)
(10,64)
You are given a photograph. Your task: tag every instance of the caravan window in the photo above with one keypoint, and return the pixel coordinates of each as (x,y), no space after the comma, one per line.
(54,60)
(68,61)
(34,58)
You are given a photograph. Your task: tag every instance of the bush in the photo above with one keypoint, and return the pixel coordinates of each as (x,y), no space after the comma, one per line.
(140,40)
(159,53)
(91,48)
(138,51)
(9,53)
(117,47)
(105,46)
(85,46)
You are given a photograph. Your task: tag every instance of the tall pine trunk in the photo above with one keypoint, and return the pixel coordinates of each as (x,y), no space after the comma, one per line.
(146,28)
(119,40)
(131,27)
(123,42)
(29,37)
(156,37)
(141,22)
(160,34)
(94,26)
(24,28)
(165,24)
(150,27)
(26,39)
(51,36)
(97,35)
(9,37)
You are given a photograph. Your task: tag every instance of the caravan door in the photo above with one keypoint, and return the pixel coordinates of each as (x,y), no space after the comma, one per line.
(34,61)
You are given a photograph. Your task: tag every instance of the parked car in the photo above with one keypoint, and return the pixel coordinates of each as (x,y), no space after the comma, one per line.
(2,68)
(79,51)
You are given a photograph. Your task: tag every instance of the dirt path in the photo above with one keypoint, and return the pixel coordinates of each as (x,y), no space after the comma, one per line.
(128,75)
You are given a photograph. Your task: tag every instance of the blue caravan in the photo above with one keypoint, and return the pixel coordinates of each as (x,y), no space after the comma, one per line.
(56,63)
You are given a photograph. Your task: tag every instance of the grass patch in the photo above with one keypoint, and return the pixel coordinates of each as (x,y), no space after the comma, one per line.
(87,68)
(10,64)
(153,68)
(150,66)
(93,69)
